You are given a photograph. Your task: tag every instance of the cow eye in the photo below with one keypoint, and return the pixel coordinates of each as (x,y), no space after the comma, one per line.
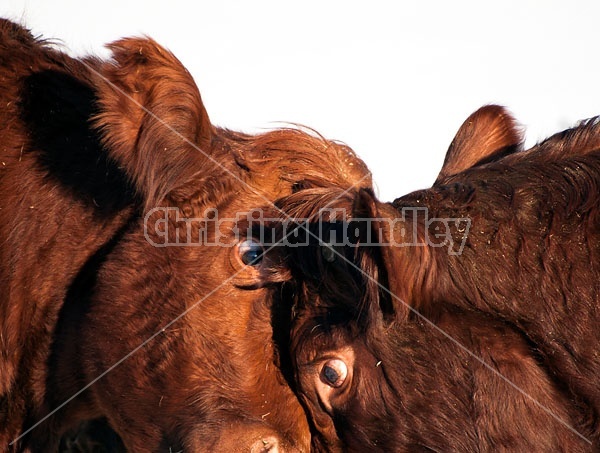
(251,252)
(334,373)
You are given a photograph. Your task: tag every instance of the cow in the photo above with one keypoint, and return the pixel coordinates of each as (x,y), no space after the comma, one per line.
(461,317)
(127,301)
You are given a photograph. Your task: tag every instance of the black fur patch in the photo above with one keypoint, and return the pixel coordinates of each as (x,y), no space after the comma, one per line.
(91,436)
(57,108)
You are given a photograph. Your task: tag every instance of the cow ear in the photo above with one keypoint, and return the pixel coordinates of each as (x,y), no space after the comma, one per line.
(487,134)
(375,260)
(152,118)
(407,270)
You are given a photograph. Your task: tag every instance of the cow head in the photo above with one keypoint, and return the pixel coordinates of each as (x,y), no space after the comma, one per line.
(378,365)
(166,325)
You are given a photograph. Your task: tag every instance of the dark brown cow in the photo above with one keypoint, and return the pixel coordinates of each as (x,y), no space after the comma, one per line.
(488,338)
(171,345)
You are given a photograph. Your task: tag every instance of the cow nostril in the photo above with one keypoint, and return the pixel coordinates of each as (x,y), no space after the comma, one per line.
(265,445)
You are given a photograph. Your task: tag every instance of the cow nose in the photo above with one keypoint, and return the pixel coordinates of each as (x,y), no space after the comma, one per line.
(244,438)
(266,445)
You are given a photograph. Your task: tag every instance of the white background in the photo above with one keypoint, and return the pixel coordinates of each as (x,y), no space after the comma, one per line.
(393,80)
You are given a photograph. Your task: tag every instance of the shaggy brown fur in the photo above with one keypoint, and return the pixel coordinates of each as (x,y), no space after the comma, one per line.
(494,348)
(531,255)
(82,287)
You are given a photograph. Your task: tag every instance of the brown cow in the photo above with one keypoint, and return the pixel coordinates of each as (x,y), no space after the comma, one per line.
(488,338)
(100,318)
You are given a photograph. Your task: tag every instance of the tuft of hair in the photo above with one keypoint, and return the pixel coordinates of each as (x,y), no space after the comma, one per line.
(300,156)
(334,273)
(582,139)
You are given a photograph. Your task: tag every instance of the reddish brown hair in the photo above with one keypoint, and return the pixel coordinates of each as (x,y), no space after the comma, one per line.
(510,318)
(89,147)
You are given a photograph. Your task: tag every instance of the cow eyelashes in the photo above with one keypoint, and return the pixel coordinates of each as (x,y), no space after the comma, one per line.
(251,252)
(334,373)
